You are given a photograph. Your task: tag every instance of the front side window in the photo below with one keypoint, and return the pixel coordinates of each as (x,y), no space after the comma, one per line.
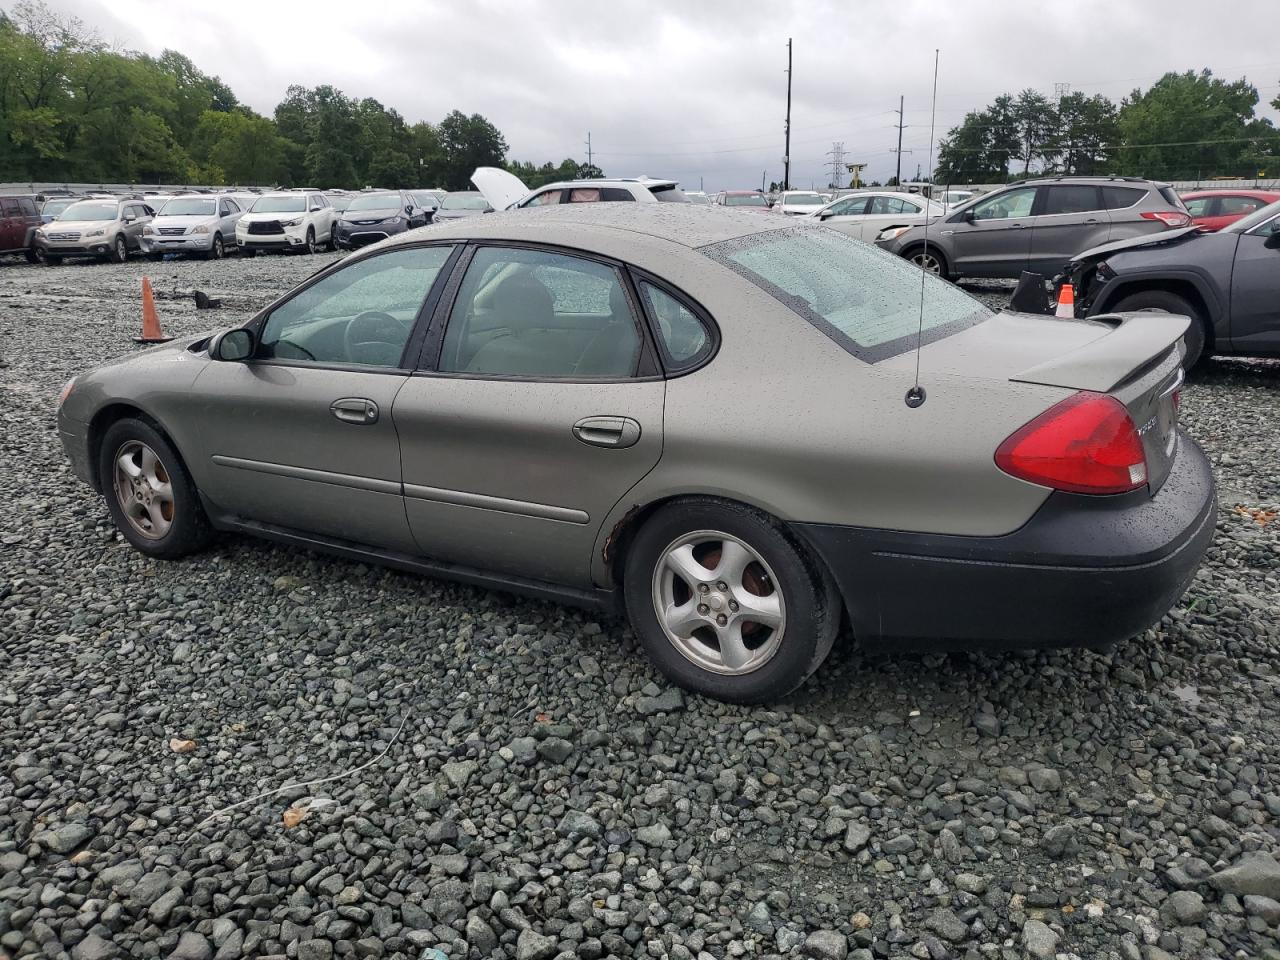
(361,314)
(1006,206)
(531,313)
(852,207)
(864,298)
(1071,198)
(685,340)
(1239,206)
(584,195)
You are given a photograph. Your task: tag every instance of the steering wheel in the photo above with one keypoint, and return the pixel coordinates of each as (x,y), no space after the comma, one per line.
(373,327)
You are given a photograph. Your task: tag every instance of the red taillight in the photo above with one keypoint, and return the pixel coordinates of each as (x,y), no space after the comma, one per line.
(1085,444)
(1170,218)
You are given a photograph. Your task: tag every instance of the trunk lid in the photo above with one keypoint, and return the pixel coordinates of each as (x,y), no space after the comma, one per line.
(1134,357)
(499,187)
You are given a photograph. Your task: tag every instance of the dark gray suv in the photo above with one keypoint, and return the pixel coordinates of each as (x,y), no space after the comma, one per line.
(1036,225)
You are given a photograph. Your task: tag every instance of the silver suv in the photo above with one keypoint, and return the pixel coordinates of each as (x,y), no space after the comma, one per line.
(197,223)
(103,228)
(1037,225)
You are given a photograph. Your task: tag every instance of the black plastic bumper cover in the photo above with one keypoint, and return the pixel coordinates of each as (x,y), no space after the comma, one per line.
(1083,571)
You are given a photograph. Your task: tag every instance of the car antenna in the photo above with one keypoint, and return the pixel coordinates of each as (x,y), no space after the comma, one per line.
(915,396)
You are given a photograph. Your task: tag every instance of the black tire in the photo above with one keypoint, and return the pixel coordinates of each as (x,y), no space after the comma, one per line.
(52,260)
(33,255)
(918,252)
(215,250)
(189,528)
(119,249)
(246,252)
(155,257)
(311,241)
(333,238)
(1163,301)
(813,609)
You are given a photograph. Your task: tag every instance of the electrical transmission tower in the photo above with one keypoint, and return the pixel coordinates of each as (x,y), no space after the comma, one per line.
(836,153)
(1060,90)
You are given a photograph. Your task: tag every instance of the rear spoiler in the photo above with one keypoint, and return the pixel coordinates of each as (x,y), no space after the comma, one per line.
(1135,341)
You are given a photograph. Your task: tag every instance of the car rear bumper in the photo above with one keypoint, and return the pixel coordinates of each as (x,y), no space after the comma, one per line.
(1083,571)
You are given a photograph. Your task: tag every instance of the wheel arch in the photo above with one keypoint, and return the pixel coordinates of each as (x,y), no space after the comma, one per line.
(1185,287)
(113,413)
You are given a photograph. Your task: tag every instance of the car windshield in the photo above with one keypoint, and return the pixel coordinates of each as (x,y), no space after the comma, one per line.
(189,207)
(280,205)
(804,200)
(54,207)
(465,201)
(864,298)
(745,200)
(1245,224)
(90,210)
(375,201)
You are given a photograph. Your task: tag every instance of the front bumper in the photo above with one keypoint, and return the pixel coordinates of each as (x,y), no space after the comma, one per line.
(91,247)
(75,443)
(293,238)
(353,235)
(186,243)
(1083,571)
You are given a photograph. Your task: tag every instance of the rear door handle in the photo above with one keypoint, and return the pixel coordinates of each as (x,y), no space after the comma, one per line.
(615,432)
(358,410)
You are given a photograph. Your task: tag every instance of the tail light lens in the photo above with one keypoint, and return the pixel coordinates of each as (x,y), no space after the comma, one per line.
(1085,444)
(1170,218)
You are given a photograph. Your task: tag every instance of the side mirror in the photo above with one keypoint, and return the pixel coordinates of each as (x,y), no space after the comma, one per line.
(408,208)
(233,346)
(1273,241)
(968,216)
(130,218)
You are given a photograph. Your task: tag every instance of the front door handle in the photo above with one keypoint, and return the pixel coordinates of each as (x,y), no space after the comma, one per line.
(358,410)
(615,432)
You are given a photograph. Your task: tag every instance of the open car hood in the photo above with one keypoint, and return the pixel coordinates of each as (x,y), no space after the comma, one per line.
(1149,240)
(501,188)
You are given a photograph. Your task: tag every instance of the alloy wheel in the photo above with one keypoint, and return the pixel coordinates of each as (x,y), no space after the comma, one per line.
(122,250)
(718,602)
(143,489)
(217,248)
(927,261)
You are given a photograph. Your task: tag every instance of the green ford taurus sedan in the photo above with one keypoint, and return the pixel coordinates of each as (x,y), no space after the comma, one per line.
(707,419)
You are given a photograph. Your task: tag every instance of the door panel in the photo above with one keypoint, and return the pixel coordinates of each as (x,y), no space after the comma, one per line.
(496,478)
(1255,295)
(1070,219)
(274,451)
(997,242)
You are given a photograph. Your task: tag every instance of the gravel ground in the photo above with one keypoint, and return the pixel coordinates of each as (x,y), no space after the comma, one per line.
(495,777)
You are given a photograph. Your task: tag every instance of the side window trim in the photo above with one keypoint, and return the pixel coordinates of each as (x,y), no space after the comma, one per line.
(412,344)
(672,368)
(428,363)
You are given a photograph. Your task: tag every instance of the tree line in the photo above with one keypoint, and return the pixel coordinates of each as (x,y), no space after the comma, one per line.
(1186,126)
(73,110)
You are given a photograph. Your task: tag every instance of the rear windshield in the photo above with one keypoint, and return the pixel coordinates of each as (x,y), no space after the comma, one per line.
(865,299)
(671,194)
(189,207)
(1171,197)
(375,201)
(803,200)
(745,200)
(280,205)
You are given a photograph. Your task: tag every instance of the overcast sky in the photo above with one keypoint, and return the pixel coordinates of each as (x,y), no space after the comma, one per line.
(697,90)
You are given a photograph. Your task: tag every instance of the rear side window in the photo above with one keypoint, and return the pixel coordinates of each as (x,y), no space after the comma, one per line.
(684,339)
(865,299)
(1117,198)
(1171,197)
(1071,198)
(891,205)
(9,207)
(616,194)
(27,206)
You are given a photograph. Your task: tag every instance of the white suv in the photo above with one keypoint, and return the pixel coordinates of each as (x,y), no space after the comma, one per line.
(505,191)
(300,220)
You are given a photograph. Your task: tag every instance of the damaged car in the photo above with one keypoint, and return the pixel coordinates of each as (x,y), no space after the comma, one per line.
(1227,282)
(551,402)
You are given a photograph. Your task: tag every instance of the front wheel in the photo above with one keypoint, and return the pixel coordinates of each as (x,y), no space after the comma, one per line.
(215,251)
(333,238)
(52,260)
(120,250)
(1163,301)
(246,252)
(311,240)
(149,493)
(34,255)
(727,603)
(928,259)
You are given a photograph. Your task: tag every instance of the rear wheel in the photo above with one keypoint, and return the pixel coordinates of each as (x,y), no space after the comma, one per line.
(726,603)
(1164,301)
(149,493)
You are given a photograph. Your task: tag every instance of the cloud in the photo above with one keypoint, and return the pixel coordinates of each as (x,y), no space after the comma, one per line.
(693,90)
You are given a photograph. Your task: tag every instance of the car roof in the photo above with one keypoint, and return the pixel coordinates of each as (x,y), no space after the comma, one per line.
(609,181)
(1036,181)
(574,224)
(1227,192)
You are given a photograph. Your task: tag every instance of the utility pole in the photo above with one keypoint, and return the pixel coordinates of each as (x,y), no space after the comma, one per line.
(763,174)
(898,174)
(588,148)
(836,153)
(786,152)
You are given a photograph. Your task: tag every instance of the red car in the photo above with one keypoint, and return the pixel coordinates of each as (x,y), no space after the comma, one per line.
(1214,209)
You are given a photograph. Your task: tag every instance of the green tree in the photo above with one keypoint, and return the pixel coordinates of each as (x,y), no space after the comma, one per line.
(1037,124)
(467,143)
(238,147)
(1192,125)
(1087,133)
(982,147)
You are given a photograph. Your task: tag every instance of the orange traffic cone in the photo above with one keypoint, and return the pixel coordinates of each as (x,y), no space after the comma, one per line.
(1066,302)
(151,332)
